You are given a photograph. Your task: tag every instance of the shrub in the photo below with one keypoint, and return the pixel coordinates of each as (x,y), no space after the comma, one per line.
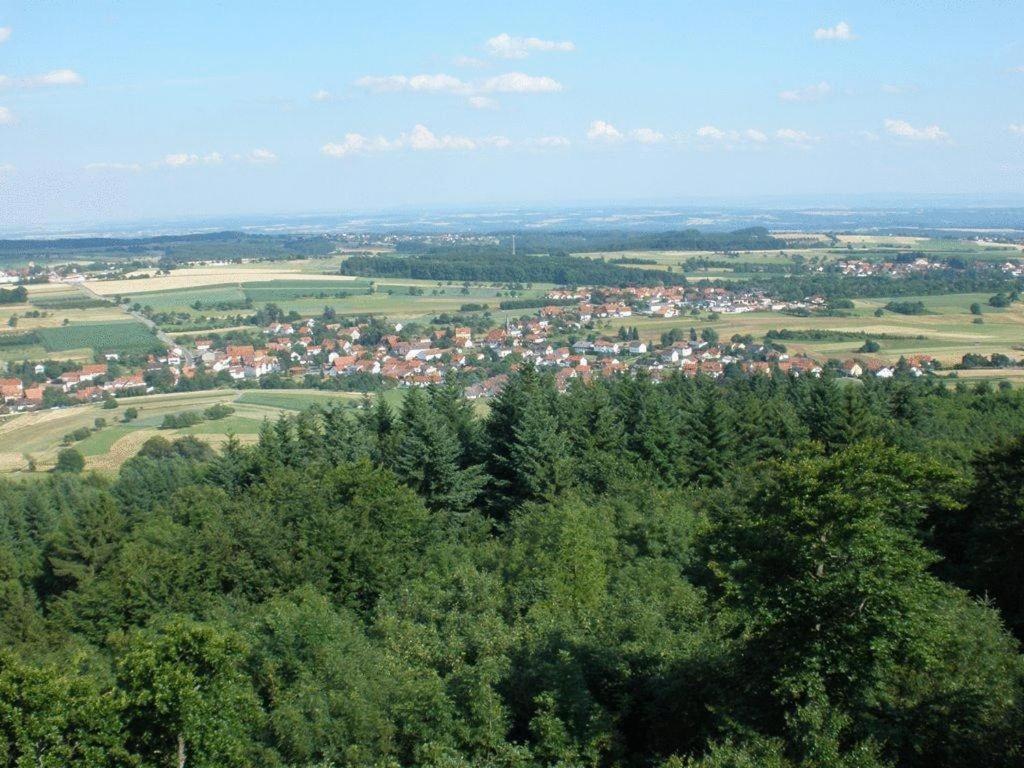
(69,460)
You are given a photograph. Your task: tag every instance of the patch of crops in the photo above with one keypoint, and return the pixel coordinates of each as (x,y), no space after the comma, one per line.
(126,337)
(26,339)
(65,301)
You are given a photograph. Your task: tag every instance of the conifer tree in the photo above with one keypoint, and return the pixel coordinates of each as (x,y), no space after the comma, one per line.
(427,458)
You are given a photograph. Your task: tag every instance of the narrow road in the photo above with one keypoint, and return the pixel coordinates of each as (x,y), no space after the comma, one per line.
(189,357)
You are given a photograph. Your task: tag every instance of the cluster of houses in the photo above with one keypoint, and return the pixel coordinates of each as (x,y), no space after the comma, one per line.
(559,337)
(862,268)
(89,383)
(667,302)
(9,276)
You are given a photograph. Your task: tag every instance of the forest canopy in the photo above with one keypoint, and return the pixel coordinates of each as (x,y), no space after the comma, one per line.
(749,572)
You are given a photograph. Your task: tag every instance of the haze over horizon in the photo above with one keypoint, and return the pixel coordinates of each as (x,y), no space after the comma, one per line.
(116,114)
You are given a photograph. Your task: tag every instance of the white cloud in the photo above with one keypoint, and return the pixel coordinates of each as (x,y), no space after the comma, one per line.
(55,77)
(731,138)
(905,130)
(1018,69)
(505,46)
(599,130)
(807,93)
(419,139)
(1017,128)
(321,95)
(5,34)
(58,77)
(549,142)
(180,159)
(517,82)
(509,82)
(840,31)
(260,156)
(183,159)
(794,136)
(711,132)
(6,168)
(647,136)
(356,144)
(439,83)
(897,90)
(423,139)
(482,102)
(6,116)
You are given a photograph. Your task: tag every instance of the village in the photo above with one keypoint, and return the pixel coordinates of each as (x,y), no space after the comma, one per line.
(568,336)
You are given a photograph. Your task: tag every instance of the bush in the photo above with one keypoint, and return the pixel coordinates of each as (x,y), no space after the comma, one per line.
(907,307)
(218,411)
(1000,300)
(79,434)
(69,460)
(181,420)
(130,414)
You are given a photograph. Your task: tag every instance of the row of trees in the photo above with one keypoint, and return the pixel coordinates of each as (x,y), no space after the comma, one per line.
(771,572)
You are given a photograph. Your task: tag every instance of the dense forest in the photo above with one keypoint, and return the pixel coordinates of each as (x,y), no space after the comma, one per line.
(545,257)
(584,241)
(173,249)
(491,265)
(755,572)
(833,285)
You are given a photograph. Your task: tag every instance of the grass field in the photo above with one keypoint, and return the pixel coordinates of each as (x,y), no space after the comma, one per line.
(200,277)
(308,295)
(38,435)
(948,331)
(290,400)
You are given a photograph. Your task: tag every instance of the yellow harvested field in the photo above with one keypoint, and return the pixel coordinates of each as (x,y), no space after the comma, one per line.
(12,462)
(126,447)
(881,239)
(200,277)
(122,450)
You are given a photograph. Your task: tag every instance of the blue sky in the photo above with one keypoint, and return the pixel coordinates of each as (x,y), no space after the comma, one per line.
(126,110)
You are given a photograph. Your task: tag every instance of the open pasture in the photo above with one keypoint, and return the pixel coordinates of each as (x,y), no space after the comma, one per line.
(947,333)
(39,434)
(199,277)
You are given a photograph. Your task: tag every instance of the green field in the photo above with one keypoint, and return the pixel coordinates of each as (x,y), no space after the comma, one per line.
(38,434)
(297,400)
(67,300)
(948,331)
(122,336)
(386,298)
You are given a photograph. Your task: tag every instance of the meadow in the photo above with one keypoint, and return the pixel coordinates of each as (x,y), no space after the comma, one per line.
(37,435)
(223,294)
(947,332)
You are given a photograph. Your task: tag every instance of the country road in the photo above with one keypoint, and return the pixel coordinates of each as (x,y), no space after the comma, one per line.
(189,357)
